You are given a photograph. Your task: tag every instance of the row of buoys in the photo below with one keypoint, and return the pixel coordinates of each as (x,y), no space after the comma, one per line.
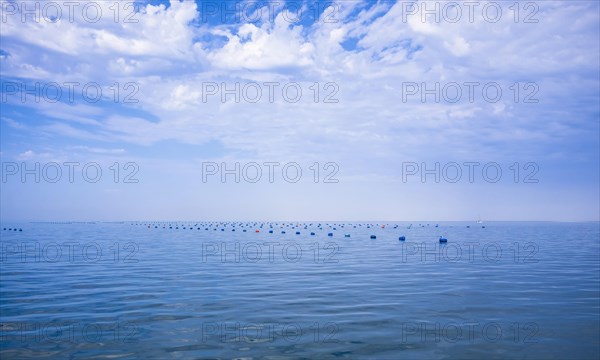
(223,225)
(293,226)
(401,238)
(11,229)
(261,225)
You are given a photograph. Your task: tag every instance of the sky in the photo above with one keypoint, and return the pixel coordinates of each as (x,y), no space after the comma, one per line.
(300,110)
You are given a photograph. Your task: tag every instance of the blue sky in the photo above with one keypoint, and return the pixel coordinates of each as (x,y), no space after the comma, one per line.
(364,54)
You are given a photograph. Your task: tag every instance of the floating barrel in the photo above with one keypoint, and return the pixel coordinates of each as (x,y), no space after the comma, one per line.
(373,237)
(443,239)
(402,238)
(330,234)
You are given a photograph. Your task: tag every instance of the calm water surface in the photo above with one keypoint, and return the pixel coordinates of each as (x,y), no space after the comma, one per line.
(110,290)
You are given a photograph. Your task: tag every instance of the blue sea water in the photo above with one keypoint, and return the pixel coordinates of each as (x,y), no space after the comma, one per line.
(148,291)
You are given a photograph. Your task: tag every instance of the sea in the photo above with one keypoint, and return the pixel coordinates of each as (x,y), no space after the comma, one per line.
(299,290)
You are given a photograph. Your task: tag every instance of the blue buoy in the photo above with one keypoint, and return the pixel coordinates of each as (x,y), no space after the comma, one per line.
(373,237)
(402,238)
(330,234)
(312,233)
(270,231)
(443,240)
(297,232)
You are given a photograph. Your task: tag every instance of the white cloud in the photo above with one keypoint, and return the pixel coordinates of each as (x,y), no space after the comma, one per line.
(170,56)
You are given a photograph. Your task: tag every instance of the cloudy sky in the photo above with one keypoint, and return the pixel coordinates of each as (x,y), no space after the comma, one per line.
(390,110)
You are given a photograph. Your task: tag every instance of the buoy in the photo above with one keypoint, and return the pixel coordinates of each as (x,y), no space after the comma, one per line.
(443,240)
(329,234)
(270,231)
(402,238)
(373,237)
(283,232)
(346,235)
(20,229)
(257,231)
(312,233)
(297,232)
(244,230)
